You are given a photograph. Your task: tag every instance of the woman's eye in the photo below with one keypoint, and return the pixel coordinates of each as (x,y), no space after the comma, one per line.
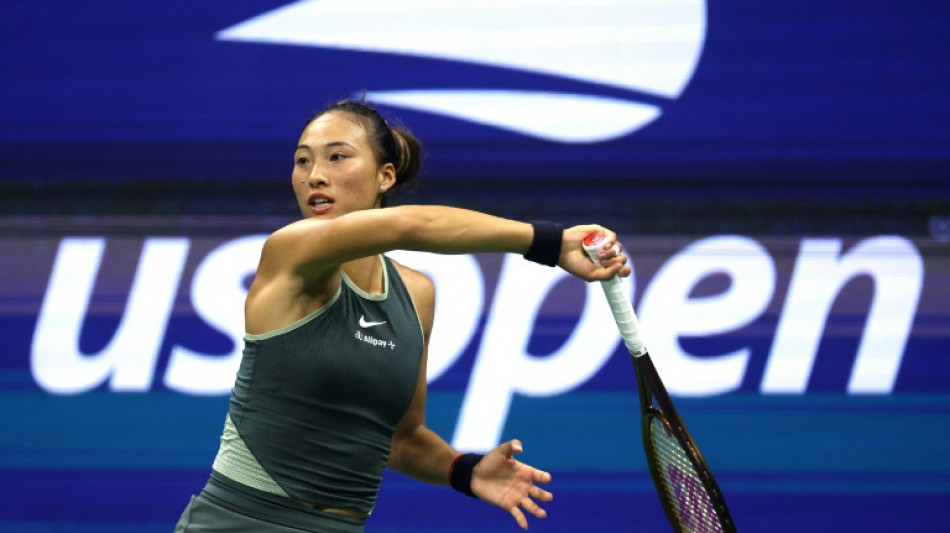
(302,161)
(337,157)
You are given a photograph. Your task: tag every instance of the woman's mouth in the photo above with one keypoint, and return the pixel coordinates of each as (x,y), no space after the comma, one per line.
(319,204)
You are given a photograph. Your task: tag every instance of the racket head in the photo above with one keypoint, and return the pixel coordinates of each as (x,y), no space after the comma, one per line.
(681,480)
(684,483)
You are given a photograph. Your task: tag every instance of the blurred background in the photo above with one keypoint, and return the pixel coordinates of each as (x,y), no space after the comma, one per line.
(777,171)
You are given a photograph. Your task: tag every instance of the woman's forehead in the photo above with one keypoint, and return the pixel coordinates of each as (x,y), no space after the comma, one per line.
(334,126)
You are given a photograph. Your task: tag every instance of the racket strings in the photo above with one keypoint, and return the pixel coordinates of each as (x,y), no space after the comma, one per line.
(683,486)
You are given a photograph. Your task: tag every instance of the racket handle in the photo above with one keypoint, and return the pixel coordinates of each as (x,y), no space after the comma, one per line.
(620,306)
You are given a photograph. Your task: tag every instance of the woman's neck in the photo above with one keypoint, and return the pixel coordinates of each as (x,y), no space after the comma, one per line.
(366,273)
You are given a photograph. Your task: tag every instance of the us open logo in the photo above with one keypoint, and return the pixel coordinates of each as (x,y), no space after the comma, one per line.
(645,51)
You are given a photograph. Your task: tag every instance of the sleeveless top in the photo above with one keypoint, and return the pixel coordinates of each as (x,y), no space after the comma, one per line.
(315,403)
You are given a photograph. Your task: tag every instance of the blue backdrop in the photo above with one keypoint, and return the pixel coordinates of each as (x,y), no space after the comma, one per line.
(127,90)
(806,354)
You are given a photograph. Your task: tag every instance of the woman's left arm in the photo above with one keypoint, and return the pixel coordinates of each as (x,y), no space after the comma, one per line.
(416,450)
(420,453)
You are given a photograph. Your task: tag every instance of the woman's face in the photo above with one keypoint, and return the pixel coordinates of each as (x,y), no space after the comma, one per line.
(335,169)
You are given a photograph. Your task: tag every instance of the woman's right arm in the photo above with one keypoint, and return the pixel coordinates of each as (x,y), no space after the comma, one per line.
(315,247)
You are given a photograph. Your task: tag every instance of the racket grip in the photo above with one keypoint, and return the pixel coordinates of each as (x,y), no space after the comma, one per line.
(620,306)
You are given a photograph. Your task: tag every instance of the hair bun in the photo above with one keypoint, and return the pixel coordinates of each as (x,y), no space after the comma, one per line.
(408,155)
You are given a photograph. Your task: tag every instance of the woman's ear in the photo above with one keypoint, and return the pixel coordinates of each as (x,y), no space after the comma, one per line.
(386,177)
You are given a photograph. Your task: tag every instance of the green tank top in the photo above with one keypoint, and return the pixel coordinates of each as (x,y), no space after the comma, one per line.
(317,402)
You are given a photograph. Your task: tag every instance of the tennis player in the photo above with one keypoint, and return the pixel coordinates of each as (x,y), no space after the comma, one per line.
(332,384)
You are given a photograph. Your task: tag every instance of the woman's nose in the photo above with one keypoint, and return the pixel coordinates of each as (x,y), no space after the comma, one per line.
(317,178)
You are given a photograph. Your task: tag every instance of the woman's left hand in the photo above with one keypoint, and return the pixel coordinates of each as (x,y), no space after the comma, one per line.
(501,480)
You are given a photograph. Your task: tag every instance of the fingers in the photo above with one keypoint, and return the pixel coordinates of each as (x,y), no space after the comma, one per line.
(541,477)
(540,494)
(522,495)
(529,505)
(508,449)
(519,517)
(613,262)
(610,253)
(612,259)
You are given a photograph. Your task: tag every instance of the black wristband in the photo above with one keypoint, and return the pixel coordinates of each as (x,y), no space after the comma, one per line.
(460,473)
(546,244)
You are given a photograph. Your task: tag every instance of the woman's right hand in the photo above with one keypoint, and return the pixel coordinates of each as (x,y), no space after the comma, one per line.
(574,259)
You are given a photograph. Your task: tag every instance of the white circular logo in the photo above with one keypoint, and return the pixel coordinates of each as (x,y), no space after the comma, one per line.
(646,48)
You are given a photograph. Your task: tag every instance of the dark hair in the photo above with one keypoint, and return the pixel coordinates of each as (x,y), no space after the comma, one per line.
(390,144)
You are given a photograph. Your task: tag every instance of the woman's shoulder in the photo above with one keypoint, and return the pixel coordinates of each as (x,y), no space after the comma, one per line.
(422,291)
(286,247)
(415,281)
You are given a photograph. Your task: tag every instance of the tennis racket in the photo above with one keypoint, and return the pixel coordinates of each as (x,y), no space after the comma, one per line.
(687,489)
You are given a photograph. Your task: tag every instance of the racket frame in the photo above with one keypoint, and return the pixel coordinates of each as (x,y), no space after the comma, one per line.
(650,386)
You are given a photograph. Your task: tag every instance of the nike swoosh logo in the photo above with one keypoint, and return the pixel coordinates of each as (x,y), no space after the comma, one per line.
(365,324)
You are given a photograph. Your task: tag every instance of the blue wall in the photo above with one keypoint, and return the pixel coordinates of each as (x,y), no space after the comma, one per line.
(786,208)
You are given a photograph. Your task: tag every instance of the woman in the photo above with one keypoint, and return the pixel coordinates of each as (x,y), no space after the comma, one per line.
(332,385)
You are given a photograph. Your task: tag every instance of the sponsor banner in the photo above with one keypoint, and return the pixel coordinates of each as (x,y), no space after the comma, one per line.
(804,366)
(722,314)
(106,310)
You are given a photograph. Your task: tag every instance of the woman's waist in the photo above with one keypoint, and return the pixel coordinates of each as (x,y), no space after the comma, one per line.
(324,475)
(274,507)
(342,511)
